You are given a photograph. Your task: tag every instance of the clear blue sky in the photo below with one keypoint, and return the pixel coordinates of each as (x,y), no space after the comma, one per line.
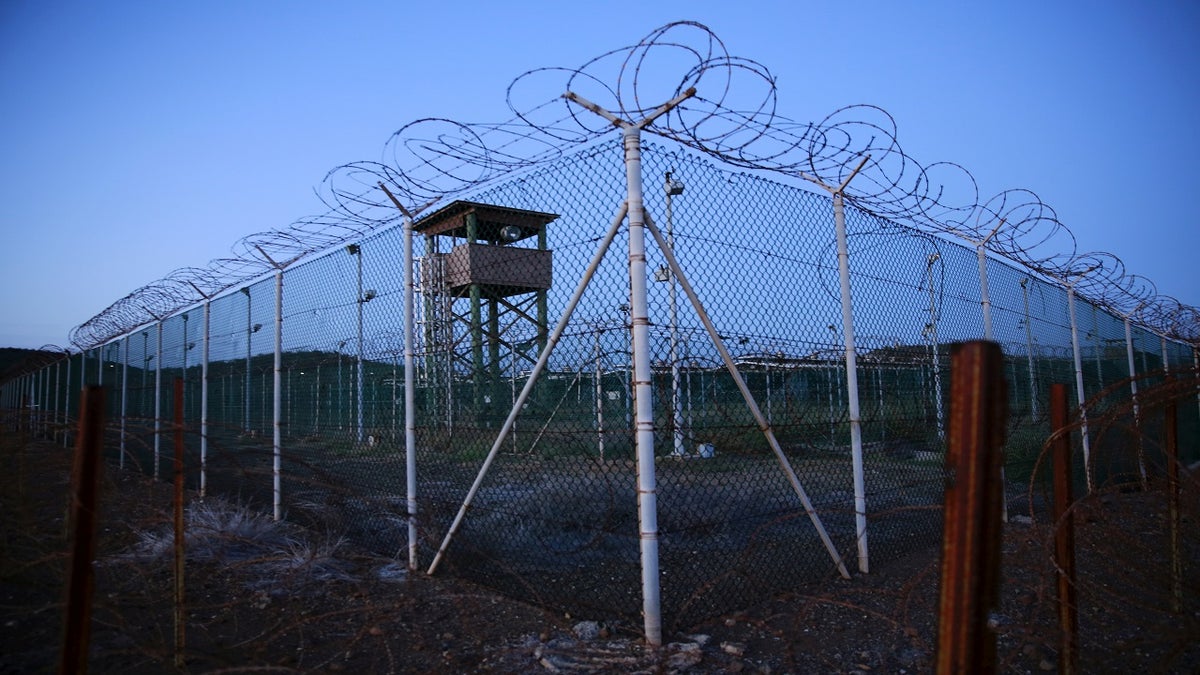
(140,137)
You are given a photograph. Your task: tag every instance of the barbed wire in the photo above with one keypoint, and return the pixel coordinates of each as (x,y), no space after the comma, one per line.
(734,118)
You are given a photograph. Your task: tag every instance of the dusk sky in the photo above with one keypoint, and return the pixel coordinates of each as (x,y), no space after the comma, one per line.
(141,137)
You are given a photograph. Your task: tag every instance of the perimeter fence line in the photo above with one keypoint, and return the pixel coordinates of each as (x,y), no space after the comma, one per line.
(772,365)
(562,502)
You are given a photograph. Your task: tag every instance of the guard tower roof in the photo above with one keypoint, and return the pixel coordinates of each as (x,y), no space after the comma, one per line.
(451,221)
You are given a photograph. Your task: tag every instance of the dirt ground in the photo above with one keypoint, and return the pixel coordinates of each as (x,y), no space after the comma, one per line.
(264,597)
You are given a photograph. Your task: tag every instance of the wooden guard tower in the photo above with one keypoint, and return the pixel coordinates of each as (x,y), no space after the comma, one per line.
(484,280)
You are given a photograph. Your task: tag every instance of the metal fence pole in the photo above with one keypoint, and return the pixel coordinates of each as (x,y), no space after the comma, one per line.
(44,404)
(85,497)
(986,303)
(57,421)
(124,399)
(643,394)
(856,451)
(970,581)
(204,398)
(1064,533)
(180,610)
(359,300)
(642,376)
(1080,393)
(1137,413)
(1033,405)
(277,443)
(673,188)
(935,357)
(67,405)
(158,360)
(249,338)
(1196,365)
(184,349)
(410,411)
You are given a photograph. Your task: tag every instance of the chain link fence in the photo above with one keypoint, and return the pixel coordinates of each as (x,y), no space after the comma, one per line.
(555,518)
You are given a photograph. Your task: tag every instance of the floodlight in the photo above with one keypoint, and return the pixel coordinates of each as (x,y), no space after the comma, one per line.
(662,274)
(510,233)
(674,187)
(352,249)
(368,295)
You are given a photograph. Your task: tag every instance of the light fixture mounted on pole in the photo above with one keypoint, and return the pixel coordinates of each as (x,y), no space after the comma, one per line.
(932,333)
(362,298)
(673,188)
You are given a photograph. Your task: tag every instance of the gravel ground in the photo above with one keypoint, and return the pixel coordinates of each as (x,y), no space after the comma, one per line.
(267,597)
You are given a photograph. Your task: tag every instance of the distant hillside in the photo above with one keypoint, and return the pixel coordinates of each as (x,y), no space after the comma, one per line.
(14,361)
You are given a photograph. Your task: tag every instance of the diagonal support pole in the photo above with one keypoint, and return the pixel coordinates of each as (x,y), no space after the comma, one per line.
(543,359)
(763,425)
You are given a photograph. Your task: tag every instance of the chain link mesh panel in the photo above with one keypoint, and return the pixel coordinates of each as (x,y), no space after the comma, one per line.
(556,517)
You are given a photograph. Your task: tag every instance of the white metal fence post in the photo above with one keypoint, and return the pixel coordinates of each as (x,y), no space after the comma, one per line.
(124,399)
(1033,405)
(673,188)
(1081,394)
(359,300)
(204,398)
(1133,390)
(57,422)
(856,451)
(860,491)
(158,360)
(642,386)
(277,441)
(410,395)
(249,339)
(67,404)
(44,405)
(931,331)
(986,302)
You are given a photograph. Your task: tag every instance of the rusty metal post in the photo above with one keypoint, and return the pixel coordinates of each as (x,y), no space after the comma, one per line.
(180,614)
(85,495)
(1171,447)
(1064,533)
(972,527)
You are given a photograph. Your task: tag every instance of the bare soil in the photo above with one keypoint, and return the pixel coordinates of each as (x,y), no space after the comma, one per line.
(263,598)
